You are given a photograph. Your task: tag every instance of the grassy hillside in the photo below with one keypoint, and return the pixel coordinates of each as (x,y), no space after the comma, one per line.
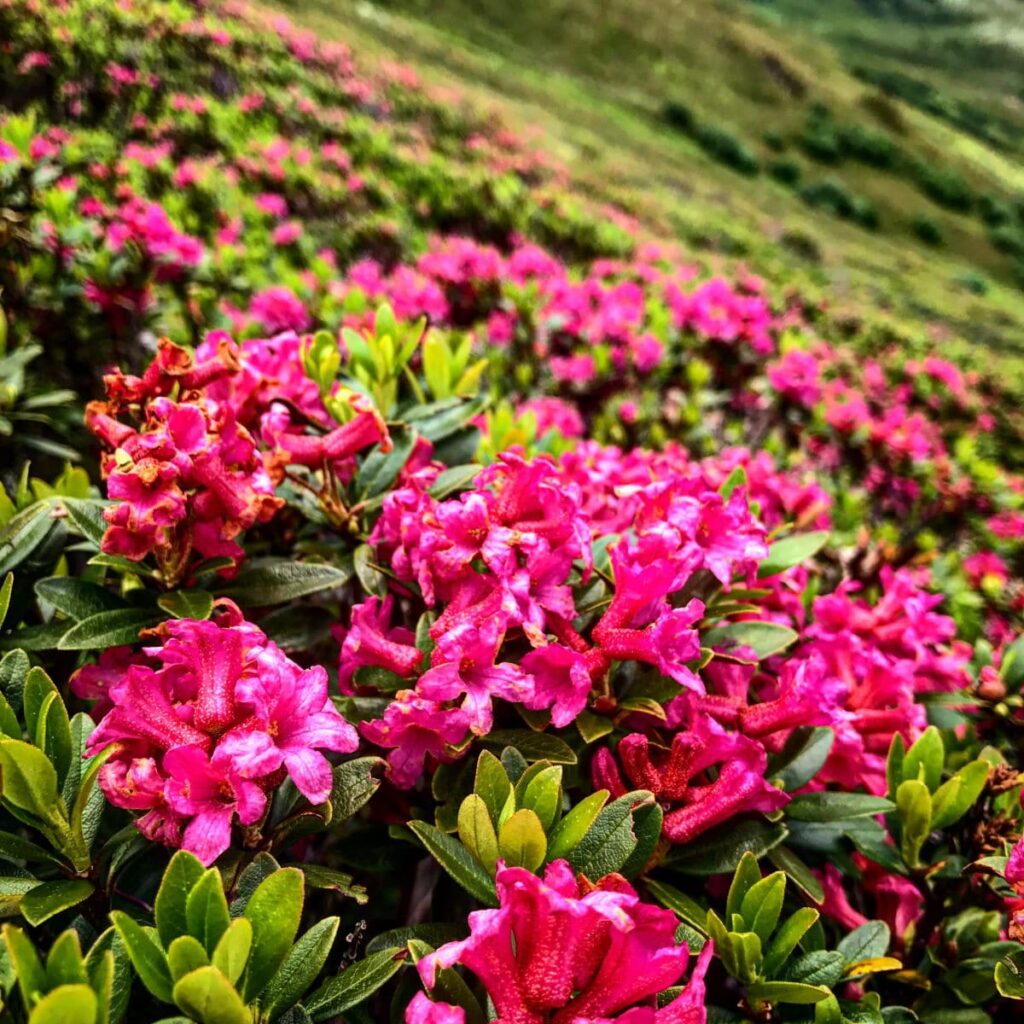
(760,131)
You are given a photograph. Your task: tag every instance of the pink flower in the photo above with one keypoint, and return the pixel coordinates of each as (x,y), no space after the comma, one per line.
(293,720)
(561,682)
(413,728)
(210,792)
(556,952)
(985,565)
(279,309)
(370,642)
(423,1011)
(209,722)
(464,663)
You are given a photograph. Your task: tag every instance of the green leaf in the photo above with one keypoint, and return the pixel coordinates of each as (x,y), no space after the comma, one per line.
(783,857)
(925,759)
(12,892)
(762,905)
(492,784)
(683,906)
(831,806)
(26,533)
(438,420)
(147,958)
(543,795)
(27,967)
(67,1003)
(868,941)
(451,481)
(274,910)
(648,819)
(108,629)
(206,910)
(355,984)
(1009,975)
(569,832)
(747,874)
(46,718)
(181,876)
(64,964)
(457,861)
(790,551)
(718,851)
(353,785)
(86,515)
(521,840)
(28,783)
(914,806)
(476,831)
(299,968)
(819,967)
(800,765)
(786,992)
(232,952)
(51,898)
(5,596)
(78,599)
(955,797)
(787,938)
(534,746)
(737,478)
(184,955)
(207,996)
(380,469)
(187,604)
(611,840)
(271,581)
(14,667)
(764,638)
(319,877)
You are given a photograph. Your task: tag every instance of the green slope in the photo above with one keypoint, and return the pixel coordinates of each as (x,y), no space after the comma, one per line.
(596,78)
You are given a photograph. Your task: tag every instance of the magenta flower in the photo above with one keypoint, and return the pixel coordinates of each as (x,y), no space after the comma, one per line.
(369,641)
(206,724)
(561,682)
(558,953)
(424,1011)
(464,663)
(293,720)
(209,791)
(415,728)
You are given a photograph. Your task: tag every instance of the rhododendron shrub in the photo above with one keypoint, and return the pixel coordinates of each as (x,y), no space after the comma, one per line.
(531,624)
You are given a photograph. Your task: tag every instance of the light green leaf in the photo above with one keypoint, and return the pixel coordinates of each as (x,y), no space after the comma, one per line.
(208,997)
(790,551)
(51,898)
(274,910)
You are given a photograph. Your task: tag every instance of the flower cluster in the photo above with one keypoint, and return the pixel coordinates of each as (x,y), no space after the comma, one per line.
(206,724)
(567,951)
(188,479)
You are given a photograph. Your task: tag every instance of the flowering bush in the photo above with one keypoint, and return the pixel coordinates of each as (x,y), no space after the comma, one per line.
(468,608)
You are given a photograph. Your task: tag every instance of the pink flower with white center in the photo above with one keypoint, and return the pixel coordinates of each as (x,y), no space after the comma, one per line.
(463,663)
(415,728)
(210,792)
(560,952)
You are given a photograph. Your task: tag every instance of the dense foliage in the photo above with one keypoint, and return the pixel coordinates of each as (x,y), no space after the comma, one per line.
(458,605)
